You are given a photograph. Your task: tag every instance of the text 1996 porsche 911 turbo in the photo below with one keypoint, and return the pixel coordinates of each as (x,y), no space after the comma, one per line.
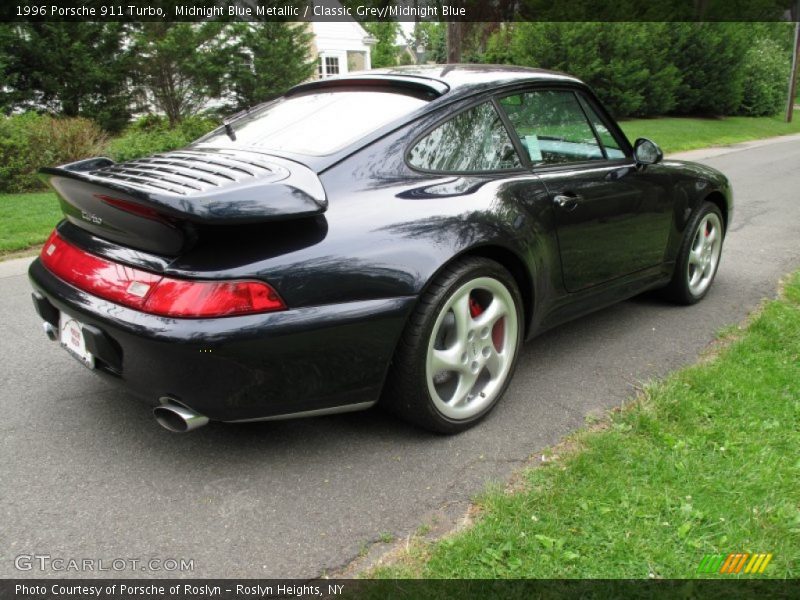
(390,236)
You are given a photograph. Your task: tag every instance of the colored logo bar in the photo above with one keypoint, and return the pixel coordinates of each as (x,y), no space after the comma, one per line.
(735,562)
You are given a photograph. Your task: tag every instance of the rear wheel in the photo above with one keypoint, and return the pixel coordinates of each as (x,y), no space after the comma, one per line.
(459,349)
(698,258)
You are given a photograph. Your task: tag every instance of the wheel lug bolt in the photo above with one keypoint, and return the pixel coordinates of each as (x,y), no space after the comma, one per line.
(485,332)
(486,351)
(470,336)
(474,366)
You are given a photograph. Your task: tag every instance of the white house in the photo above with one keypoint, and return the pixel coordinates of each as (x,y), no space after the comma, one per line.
(340,46)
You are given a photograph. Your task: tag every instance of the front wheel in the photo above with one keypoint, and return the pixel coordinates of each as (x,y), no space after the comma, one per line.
(699,255)
(459,349)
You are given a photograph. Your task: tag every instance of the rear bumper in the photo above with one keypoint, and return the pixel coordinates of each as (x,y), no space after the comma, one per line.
(237,368)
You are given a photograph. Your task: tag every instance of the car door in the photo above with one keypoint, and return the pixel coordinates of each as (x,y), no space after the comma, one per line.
(612,219)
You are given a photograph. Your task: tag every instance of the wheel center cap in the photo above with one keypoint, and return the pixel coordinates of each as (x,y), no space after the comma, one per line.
(474,348)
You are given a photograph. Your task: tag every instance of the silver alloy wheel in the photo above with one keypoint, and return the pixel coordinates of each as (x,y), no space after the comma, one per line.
(472,348)
(704,254)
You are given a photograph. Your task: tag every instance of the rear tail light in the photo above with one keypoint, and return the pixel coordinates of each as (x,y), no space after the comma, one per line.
(178,298)
(153,293)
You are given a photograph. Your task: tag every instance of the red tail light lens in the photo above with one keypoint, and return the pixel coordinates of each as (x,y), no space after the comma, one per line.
(112,281)
(179,298)
(154,293)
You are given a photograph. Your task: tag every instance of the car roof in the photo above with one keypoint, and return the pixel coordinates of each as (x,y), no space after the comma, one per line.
(449,80)
(464,76)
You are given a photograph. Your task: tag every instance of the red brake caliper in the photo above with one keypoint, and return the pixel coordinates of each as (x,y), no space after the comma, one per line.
(498,331)
(474,308)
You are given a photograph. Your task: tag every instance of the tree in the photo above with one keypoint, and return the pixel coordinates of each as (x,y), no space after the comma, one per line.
(765,68)
(384,52)
(710,57)
(432,36)
(266,59)
(75,69)
(7,76)
(645,69)
(607,56)
(179,66)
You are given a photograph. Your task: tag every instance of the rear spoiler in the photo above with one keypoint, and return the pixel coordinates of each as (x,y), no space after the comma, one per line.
(214,187)
(424,87)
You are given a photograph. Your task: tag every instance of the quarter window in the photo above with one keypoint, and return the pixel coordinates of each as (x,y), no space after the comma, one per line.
(552,127)
(472,141)
(610,143)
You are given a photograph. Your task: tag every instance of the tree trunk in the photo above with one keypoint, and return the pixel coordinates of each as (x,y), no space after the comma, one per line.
(793,75)
(454,30)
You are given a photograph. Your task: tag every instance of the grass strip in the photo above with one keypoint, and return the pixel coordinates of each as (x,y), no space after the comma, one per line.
(704,462)
(677,134)
(26,220)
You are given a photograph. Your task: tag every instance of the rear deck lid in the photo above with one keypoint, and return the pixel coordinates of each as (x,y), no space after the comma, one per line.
(160,203)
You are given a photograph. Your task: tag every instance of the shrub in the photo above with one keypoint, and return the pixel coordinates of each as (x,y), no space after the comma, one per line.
(709,56)
(649,69)
(766,66)
(151,134)
(30,141)
(627,64)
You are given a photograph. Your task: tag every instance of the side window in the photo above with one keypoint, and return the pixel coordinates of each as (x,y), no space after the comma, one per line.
(609,142)
(472,141)
(552,127)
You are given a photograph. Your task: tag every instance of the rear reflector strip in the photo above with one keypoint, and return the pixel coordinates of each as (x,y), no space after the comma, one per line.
(153,293)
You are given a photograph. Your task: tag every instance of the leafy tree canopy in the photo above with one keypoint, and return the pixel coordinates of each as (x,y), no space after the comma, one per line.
(69,68)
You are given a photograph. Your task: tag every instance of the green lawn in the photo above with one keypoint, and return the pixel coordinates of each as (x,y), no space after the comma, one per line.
(26,219)
(705,462)
(676,134)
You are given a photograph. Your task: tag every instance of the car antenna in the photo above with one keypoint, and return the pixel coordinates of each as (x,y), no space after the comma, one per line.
(227,122)
(229,130)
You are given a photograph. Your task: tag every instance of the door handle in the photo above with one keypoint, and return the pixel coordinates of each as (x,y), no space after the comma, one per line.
(567,201)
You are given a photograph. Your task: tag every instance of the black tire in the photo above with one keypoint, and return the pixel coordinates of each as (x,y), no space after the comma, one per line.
(407,393)
(679,289)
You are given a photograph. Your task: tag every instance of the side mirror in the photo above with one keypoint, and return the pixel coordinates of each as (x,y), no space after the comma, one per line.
(646,152)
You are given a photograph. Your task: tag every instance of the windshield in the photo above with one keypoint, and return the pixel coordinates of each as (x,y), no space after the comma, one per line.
(315,124)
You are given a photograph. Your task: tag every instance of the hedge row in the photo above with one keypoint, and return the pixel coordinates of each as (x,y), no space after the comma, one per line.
(651,69)
(30,141)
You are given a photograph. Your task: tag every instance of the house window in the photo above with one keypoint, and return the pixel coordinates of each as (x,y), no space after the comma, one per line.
(328,65)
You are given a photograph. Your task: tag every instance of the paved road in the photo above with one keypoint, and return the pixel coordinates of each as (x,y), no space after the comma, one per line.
(86,472)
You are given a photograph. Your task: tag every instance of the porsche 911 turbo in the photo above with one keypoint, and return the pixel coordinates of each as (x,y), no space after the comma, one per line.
(383,237)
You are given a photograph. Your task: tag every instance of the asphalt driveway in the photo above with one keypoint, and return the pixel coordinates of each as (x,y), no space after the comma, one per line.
(87,473)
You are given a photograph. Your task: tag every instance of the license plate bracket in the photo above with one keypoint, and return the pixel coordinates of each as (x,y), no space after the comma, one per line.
(72,339)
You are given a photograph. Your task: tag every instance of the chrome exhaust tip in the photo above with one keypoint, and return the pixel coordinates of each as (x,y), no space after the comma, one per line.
(50,331)
(177,417)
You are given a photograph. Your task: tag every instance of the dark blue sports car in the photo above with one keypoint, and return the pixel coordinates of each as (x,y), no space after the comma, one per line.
(391,236)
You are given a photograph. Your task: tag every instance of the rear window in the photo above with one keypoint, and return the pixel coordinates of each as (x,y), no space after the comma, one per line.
(316,124)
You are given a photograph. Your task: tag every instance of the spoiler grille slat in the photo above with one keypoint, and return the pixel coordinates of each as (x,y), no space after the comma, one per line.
(177,171)
(216,161)
(248,161)
(142,181)
(140,171)
(188,165)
